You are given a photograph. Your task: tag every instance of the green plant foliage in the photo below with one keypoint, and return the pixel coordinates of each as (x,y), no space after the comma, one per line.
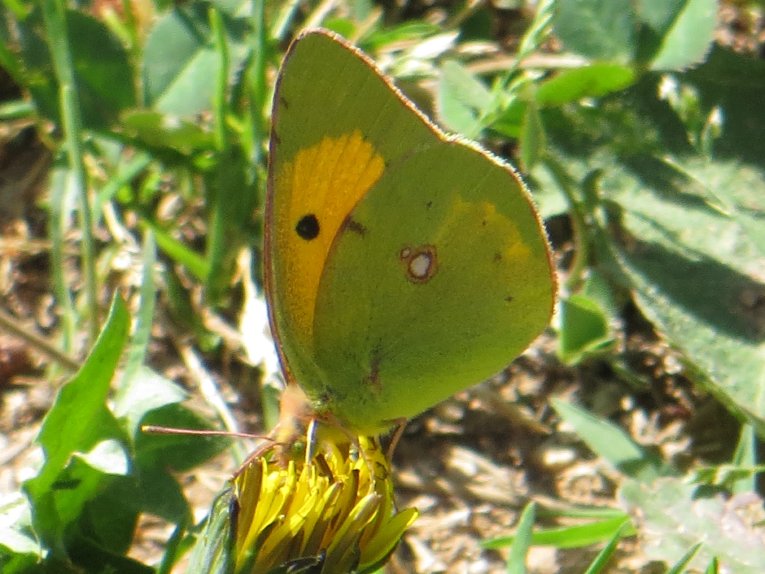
(578,536)
(180,60)
(461,99)
(673,516)
(516,562)
(100,470)
(95,77)
(583,327)
(627,120)
(613,444)
(691,266)
(593,81)
(598,29)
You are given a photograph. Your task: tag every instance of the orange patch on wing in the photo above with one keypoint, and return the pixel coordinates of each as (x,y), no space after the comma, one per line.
(326,180)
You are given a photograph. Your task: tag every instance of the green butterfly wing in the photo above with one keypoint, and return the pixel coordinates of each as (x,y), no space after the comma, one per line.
(434,278)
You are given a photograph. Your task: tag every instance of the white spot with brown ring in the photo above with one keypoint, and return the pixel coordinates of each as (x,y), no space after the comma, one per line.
(421,262)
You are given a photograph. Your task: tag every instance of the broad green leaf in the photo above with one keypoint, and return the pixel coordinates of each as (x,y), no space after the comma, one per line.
(157,492)
(108,457)
(598,29)
(180,62)
(461,100)
(176,452)
(143,392)
(79,418)
(583,327)
(689,38)
(77,422)
(611,442)
(659,14)
(158,130)
(691,244)
(735,83)
(592,81)
(103,73)
(509,122)
(15,529)
(672,517)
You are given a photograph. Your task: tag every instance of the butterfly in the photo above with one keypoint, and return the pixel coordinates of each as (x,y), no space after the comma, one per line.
(402,264)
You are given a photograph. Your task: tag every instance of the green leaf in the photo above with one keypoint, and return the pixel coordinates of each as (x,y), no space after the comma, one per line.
(78,421)
(598,29)
(176,452)
(232,199)
(600,561)
(139,343)
(180,60)
(108,457)
(516,562)
(142,393)
(533,141)
(462,100)
(690,241)
(15,529)
(575,536)
(659,15)
(214,550)
(159,130)
(79,418)
(179,251)
(746,456)
(612,443)
(735,83)
(728,475)
(591,81)
(680,566)
(689,37)
(583,328)
(103,74)
(672,517)
(402,32)
(157,492)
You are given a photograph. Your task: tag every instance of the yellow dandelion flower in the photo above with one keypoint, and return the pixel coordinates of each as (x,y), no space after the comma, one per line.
(334,513)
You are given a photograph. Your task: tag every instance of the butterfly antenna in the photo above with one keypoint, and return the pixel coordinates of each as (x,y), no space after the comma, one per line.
(397,434)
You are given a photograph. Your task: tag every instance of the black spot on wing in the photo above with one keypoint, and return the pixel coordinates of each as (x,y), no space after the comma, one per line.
(308,227)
